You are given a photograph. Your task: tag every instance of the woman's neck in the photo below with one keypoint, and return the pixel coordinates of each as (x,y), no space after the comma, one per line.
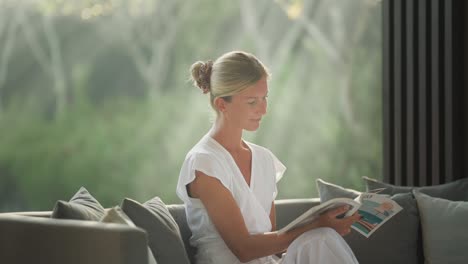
(229,137)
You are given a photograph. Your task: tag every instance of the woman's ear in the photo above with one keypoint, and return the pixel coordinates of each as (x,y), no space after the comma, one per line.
(220,104)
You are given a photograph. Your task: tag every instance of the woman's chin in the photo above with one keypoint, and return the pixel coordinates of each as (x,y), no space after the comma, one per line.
(252,128)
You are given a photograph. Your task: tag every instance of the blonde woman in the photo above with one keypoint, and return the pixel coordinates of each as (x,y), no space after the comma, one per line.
(228,185)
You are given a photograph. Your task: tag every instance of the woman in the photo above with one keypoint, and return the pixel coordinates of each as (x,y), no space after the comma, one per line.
(228,185)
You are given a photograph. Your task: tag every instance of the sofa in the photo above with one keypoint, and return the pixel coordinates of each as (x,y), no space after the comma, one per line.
(411,236)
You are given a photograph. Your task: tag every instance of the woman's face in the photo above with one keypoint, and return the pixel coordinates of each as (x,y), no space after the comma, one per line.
(247,108)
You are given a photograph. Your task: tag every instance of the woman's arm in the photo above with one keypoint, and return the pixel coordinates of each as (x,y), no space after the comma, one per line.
(273,216)
(228,220)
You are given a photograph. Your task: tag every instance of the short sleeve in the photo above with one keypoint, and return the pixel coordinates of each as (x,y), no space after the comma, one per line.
(279,171)
(204,162)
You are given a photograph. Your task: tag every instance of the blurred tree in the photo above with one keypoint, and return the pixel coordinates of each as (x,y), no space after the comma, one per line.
(149,31)
(8,30)
(48,55)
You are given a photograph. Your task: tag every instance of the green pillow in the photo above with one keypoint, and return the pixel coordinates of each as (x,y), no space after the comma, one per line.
(82,206)
(444,225)
(117,216)
(394,242)
(164,237)
(454,191)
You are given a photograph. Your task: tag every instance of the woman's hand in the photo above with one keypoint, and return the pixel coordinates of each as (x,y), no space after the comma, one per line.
(341,225)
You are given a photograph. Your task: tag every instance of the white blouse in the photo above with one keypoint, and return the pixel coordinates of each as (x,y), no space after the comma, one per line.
(254,201)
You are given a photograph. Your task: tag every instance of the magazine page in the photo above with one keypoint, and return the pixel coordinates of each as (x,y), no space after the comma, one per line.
(375,210)
(315,211)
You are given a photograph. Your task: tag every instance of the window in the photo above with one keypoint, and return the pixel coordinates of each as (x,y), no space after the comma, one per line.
(95,94)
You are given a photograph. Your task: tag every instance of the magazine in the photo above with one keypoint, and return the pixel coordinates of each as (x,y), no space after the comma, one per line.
(375,210)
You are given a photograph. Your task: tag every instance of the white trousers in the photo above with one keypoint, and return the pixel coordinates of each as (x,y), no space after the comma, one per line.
(319,246)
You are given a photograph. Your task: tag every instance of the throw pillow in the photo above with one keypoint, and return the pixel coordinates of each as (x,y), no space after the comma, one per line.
(444,226)
(394,242)
(163,232)
(454,191)
(117,216)
(329,191)
(82,206)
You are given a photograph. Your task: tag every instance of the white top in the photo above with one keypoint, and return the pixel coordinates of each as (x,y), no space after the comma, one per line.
(254,201)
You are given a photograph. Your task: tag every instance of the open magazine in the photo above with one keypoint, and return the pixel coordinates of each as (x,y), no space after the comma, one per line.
(375,210)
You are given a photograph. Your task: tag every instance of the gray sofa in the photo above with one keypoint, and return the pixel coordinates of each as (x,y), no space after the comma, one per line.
(430,227)
(34,237)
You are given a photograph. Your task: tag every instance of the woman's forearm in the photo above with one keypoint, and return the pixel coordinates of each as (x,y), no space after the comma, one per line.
(260,245)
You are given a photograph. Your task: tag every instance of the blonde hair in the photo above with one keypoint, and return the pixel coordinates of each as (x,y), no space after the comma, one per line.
(228,75)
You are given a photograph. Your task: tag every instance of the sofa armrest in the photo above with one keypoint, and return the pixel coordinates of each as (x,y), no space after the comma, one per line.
(288,209)
(26,239)
(44,214)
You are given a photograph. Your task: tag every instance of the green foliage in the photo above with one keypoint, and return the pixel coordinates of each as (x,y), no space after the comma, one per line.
(116,150)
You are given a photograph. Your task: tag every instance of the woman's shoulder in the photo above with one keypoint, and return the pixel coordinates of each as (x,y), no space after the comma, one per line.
(266,155)
(204,145)
(259,149)
(204,149)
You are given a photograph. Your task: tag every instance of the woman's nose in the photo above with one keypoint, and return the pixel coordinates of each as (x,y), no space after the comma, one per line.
(263,107)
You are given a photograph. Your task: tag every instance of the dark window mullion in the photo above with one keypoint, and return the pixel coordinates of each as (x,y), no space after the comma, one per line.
(410,93)
(448,98)
(388,108)
(435,92)
(422,92)
(397,88)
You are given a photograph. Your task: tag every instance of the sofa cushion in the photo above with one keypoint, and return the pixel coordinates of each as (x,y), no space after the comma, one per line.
(82,206)
(117,216)
(444,227)
(454,191)
(163,233)
(394,242)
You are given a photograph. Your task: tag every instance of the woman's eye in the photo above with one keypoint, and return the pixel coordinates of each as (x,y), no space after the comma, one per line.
(252,102)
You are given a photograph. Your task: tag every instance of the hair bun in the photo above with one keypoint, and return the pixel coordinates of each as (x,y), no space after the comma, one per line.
(204,76)
(201,75)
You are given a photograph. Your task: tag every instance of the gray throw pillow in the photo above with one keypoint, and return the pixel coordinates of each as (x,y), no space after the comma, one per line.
(454,191)
(117,216)
(82,206)
(163,232)
(444,224)
(394,242)
(329,191)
